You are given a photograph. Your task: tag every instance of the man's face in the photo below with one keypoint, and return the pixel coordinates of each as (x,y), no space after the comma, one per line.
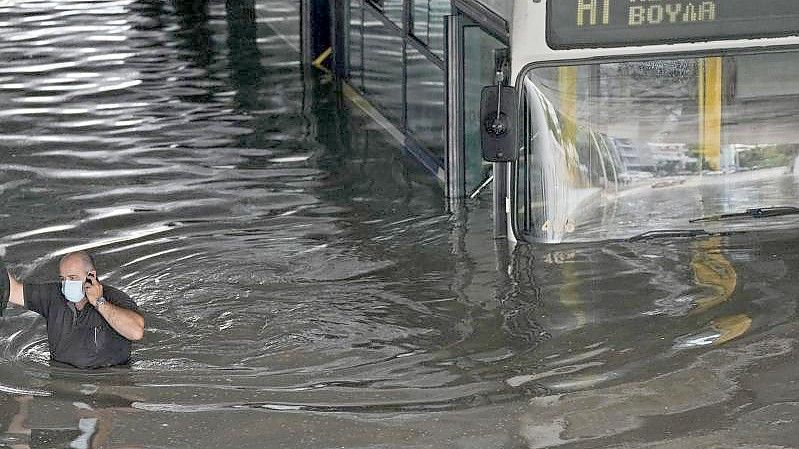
(72,269)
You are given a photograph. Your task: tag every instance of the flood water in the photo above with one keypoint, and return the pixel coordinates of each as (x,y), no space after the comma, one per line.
(303,285)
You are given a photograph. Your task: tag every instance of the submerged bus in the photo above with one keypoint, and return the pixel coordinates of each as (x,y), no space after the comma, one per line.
(602,119)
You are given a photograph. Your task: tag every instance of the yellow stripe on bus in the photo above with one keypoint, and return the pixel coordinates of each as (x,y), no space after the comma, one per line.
(710,101)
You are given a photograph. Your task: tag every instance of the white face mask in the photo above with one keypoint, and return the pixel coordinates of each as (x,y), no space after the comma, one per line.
(72,290)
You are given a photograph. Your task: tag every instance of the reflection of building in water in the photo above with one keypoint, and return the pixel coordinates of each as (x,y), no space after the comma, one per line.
(681,159)
(634,157)
(661,158)
(729,155)
(672,157)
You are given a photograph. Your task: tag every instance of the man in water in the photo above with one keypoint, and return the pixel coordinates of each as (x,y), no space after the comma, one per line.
(89,325)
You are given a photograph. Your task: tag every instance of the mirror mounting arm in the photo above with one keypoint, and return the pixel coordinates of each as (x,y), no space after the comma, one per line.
(497,112)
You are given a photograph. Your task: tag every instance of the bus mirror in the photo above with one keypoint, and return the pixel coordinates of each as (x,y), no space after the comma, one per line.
(497,120)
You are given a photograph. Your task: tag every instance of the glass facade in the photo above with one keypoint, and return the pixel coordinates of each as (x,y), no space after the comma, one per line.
(382,66)
(391,9)
(478,71)
(428,18)
(400,67)
(426,101)
(355,44)
(398,54)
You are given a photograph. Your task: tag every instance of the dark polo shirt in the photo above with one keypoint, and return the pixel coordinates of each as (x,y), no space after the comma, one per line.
(82,338)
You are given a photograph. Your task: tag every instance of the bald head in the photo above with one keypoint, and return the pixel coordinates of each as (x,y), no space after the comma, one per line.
(76,265)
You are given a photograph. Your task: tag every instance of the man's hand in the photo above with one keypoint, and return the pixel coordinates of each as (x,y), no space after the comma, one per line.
(5,288)
(128,323)
(10,288)
(93,289)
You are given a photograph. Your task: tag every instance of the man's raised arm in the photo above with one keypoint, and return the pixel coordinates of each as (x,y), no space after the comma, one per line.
(10,289)
(128,323)
(17,293)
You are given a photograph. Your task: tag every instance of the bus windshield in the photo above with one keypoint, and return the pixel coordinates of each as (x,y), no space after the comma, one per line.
(618,149)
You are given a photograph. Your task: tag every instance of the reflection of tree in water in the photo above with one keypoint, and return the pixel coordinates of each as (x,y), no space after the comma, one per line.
(768,156)
(521,304)
(660,95)
(661,71)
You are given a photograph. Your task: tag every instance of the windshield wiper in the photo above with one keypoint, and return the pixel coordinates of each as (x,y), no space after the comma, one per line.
(668,233)
(758,212)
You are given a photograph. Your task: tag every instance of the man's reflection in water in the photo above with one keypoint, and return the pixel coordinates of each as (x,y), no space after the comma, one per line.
(17,434)
(21,436)
(93,416)
(92,430)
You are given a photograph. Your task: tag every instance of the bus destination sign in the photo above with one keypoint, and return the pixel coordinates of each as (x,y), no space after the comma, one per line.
(620,23)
